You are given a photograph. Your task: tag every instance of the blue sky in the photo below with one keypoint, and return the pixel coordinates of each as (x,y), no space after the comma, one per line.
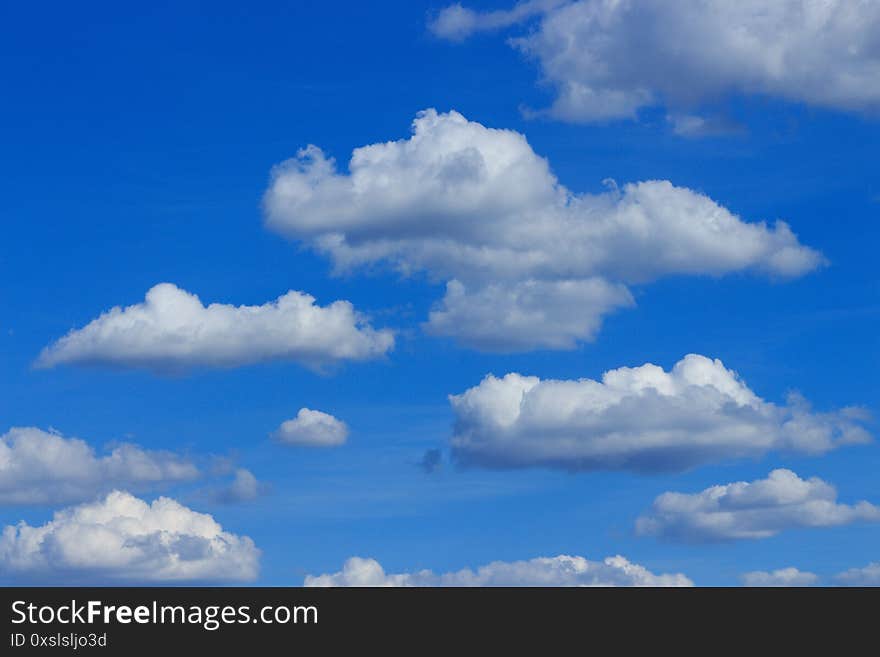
(138,144)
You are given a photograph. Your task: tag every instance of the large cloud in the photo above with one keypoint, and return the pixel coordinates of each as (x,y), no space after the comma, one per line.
(641,418)
(124,539)
(782,577)
(543,571)
(171,330)
(528,263)
(751,510)
(40,467)
(244,487)
(608,60)
(312,428)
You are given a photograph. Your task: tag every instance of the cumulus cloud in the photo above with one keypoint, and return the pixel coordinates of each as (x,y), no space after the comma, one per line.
(41,467)
(171,330)
(123,539)
(781,577)
(608,60)
(751,510)
(641,418)
(312,429)
(527,262)
(544,571)
(867,576)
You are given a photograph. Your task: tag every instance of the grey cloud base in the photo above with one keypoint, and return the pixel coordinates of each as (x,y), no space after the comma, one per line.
(642,419)
(865,576)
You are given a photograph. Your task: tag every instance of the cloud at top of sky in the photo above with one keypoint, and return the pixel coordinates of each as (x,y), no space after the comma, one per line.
(528,264)
(781,577)
(643,419)
(751,510)
(44,467)
(123,539)
(543,571)
(608,60)
(172,331)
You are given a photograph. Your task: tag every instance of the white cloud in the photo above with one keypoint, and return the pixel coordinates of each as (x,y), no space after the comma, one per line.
(123,539)
(312,429)
(528,263)
(543,571)
(692,125)
(867,576)
(607,60)
(641,419)
(751,510)
(781,577)
(40,467)
(171,330)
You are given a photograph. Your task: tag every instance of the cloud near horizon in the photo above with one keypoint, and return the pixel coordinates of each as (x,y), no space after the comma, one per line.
(312,428)
(782,577)
(563,570)
(866,576)
(44,467)
(172,331)
(527,263)
(122,539)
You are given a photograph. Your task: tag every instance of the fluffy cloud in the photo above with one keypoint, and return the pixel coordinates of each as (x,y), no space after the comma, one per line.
(528,263)
(781,577)
(641,418)
(431,461)
(692,125)
(543,571)
(39,467)
(608,60)
(171,331)
(123,539)
(866,576)
(751,510)
(312,429)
